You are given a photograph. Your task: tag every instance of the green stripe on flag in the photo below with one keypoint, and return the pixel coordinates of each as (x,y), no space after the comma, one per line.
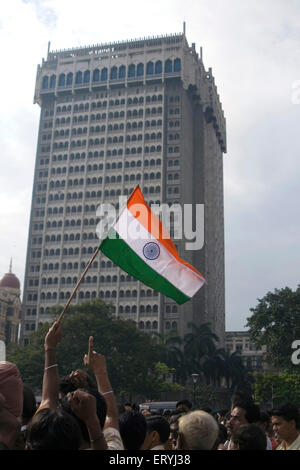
(122,255)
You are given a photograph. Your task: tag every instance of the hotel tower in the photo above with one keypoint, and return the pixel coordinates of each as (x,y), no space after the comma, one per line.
(143,111)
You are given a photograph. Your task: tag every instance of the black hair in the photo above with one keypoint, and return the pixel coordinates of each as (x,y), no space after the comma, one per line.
(178,411)
(264,418)
(133,429)
(175,416)
(186,403)
(121,409)
(222,436)
(66,385)
(101,409)
(53,430)
(250,437)
(252,411)
(288,412)
(159,424)
(240,396)
(223,412)
(29,403)
(207,409)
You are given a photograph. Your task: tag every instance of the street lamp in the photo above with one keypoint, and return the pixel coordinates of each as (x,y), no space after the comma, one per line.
(195,379)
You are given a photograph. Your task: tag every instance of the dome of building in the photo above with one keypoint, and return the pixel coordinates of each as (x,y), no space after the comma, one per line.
(10,280)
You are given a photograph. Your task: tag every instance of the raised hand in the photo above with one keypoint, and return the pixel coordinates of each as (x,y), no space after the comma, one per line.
(83,404)
(94,361)
(53,336)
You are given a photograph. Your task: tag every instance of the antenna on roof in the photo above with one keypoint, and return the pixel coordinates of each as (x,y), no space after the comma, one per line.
(184,28)
(10,266)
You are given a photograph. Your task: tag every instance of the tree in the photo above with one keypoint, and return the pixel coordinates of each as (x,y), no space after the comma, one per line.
(273,390)
(159,381)
(174,357)
(131,354)
(200,342)
(275,323)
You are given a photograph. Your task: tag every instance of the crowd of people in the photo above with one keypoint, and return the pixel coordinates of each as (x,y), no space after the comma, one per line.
(79,413)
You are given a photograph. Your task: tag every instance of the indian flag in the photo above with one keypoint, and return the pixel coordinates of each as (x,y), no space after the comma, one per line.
(141,246)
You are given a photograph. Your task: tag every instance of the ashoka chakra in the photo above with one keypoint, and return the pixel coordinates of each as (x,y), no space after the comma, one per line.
(151,250)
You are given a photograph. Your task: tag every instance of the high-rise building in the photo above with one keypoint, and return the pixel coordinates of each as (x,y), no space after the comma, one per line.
(113,116)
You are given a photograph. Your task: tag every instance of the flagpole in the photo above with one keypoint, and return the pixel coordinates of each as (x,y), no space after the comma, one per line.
(78,284)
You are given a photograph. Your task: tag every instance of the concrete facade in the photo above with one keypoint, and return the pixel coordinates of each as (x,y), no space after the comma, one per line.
(112,116)
(254,358)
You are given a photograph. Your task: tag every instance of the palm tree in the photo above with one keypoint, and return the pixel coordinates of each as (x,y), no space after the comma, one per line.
(213,368)
(173,354)
(234,372)
(199,343)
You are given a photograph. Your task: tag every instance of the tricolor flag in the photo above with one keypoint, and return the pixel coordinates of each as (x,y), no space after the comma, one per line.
(141,246)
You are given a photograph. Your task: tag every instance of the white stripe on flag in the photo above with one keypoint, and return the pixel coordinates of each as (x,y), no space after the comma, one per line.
(137,237)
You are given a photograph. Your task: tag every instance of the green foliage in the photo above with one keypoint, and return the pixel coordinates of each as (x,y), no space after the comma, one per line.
(274,390)
(138,363)
(205,395)
(131,355)
(161,380)
(275,322)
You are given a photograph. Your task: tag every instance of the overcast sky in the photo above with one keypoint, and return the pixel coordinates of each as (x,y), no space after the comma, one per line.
(253,47)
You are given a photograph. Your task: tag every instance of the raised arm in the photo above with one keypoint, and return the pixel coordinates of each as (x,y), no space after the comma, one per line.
(84,406)
(50,378)
(97,364)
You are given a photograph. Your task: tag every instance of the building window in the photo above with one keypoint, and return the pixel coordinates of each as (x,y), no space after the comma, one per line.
(177,65)
(140,70)
(96,75)
(61,79)
(52,81)
(158,67)
(131,71)
(78,79)
(45,83)
(104,75)
(150,68)
(86,76)
(168,66)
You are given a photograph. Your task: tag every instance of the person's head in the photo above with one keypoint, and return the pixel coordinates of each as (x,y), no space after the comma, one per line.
(221,415)
(240,396)
(173,422)
(127,406)
(158,432)
(77,379)
(264,421)
(285,421)
(197,430)
(249,437)
(222,436)
(11,388)
(242,414)
(121,409)
(9,425)
(53,430)
(186,405)
(133,429)
(101,409)
(29,404)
